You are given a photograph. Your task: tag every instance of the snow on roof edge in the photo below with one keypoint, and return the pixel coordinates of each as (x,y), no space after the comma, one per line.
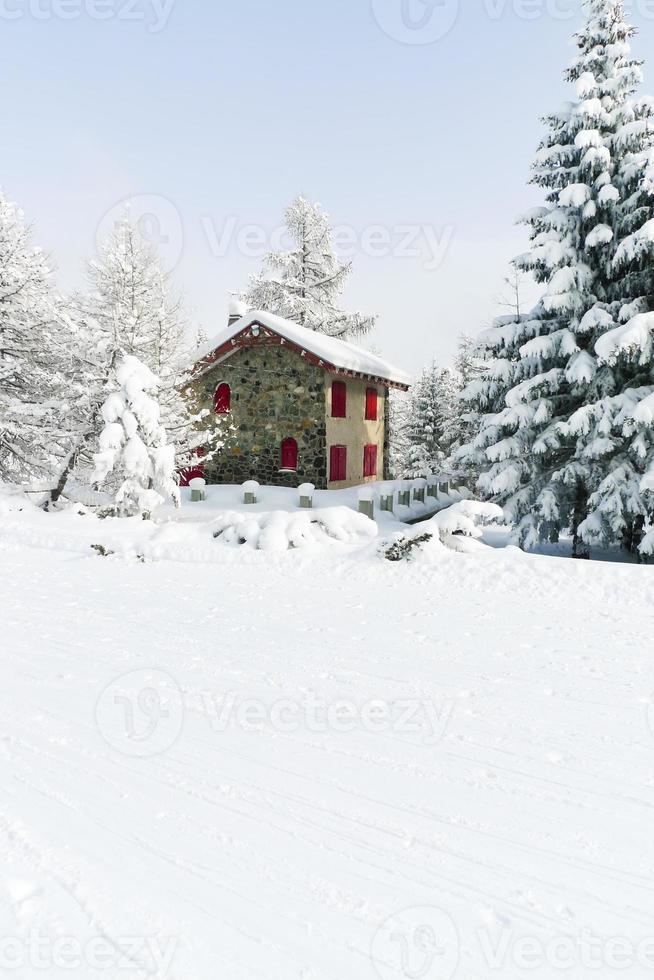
(340,353)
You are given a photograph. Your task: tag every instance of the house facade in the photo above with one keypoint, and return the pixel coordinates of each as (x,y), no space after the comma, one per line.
(293,406)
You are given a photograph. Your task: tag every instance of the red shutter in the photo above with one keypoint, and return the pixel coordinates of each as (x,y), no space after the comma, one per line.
(371,404)
(339,399)
(337,464)
(289,454)
(370,460)
(222,399)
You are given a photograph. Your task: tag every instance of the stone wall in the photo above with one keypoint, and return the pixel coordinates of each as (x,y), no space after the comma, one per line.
(275,395)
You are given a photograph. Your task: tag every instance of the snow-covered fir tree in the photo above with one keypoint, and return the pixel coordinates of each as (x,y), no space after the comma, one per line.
(619,421)
(31,338)
(305,283)
(133,445)
(132,300)
(433,423)
(537,457)
(398,406)
(129,309)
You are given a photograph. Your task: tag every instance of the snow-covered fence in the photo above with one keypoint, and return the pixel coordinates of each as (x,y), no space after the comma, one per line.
(387,498)
(367,502)
(250,492)
(306,492)
(404,493)
(419,489)
(198,489)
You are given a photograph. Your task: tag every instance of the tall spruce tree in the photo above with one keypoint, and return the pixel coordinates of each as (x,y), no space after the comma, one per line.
(543,368)
(619,424)
(305,283)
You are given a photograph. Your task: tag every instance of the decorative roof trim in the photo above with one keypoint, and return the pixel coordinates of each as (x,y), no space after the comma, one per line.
(257,334)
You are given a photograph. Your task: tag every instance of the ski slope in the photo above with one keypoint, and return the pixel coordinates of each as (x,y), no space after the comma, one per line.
(321,766)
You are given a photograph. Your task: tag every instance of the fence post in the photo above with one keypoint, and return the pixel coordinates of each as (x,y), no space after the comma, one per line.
(306,492)
(197,486)
(366,503)
(250,492)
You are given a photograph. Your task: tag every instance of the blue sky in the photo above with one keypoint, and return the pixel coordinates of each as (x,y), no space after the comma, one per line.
(213,114)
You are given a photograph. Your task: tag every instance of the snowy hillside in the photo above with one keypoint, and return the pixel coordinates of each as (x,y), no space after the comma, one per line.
(321,765)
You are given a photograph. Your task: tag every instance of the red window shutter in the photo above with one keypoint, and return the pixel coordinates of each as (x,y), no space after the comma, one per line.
(370,460)
(222,399)
(371,404)
(289,454)
(337,463)
(339,399)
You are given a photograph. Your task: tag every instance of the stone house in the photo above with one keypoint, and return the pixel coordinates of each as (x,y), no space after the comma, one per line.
(298,406)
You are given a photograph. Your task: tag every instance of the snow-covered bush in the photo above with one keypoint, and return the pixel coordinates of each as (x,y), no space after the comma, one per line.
(279,530)
(443,531)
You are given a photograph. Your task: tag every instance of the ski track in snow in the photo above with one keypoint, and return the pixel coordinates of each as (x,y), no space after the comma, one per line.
(279,854)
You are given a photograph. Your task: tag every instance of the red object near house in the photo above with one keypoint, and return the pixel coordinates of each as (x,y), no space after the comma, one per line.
(370,460)
(192,472)
(339,399)
(289,454)
(371,404)
(222,399)
(337,463)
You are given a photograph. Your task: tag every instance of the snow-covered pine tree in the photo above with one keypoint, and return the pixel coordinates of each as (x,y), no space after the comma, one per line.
(131,298)
(542,367)
(133,444)
(433,420)
(31,389)
(399,409)
(621,508)
(305,283)
(129,309)
(469,365)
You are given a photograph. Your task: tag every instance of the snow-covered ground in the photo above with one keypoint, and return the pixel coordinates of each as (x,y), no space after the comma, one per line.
(218,762)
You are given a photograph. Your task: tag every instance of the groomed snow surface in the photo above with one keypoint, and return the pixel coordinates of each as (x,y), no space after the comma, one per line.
(318,764)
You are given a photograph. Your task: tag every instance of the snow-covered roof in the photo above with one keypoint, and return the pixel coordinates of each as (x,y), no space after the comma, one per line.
(330,351)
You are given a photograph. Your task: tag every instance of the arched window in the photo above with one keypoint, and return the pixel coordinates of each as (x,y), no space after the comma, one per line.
(339,399)
(371,404)
(289,454)
(222,399)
